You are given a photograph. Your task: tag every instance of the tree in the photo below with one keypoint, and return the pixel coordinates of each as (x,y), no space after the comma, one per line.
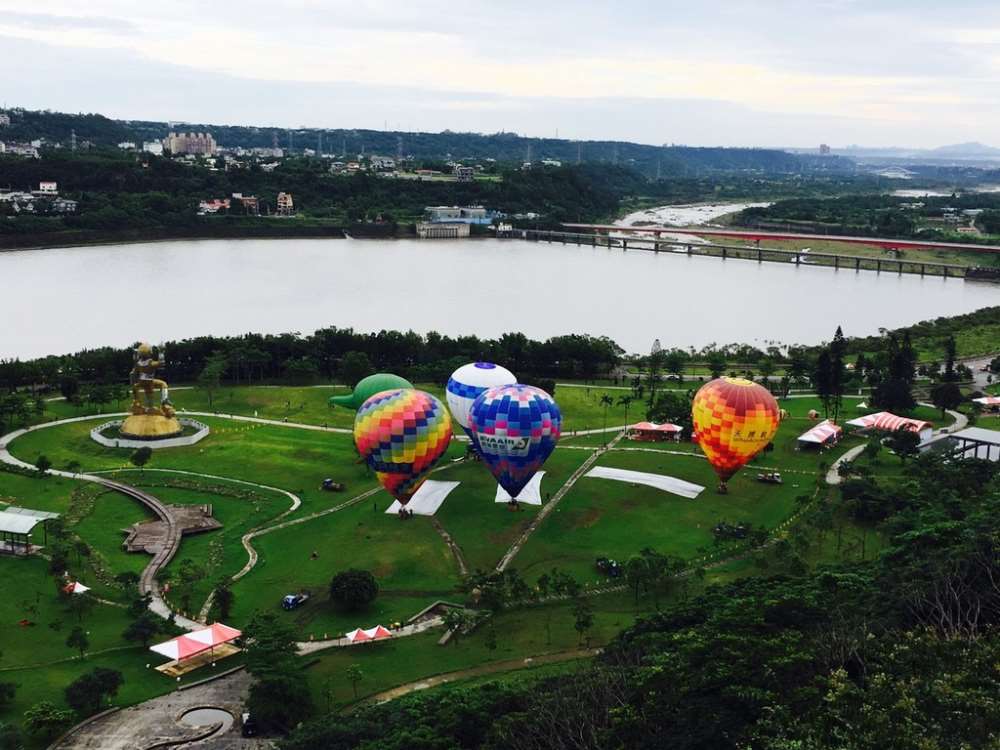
(716,363)
(78,639)
(903,442)
(87,693)
(270,645)
(45,719)
(353,589)
(625,401)
(583,616)
(223,598)
(210,377)
(838,349)
(43,464)
(457,620)
(355,675)
(7,691)
(280,701)
(189,573)
(950,352)
(636,574)
(354,367)
(606,401)
(946,395)
(301,370)
(140,457)
(10,737)
(69,387)
(673,362)
(821,380)
(143,629)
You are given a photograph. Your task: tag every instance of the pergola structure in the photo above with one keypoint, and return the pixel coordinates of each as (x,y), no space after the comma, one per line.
(16,527)
(976,442)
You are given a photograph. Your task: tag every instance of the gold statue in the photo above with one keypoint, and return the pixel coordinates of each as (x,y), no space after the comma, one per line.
(149,421)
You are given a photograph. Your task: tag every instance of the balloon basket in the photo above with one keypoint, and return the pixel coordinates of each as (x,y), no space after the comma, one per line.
(722,489)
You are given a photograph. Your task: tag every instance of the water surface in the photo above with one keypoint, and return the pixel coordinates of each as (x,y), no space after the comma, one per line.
(63,300)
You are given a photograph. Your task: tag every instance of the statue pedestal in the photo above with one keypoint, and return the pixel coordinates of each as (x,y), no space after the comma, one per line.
(150,427)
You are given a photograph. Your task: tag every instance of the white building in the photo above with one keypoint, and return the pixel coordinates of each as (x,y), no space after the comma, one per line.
(153,147)
(127,145)
(48,188)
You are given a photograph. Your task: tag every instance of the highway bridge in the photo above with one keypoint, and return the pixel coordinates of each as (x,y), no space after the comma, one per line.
(755,235)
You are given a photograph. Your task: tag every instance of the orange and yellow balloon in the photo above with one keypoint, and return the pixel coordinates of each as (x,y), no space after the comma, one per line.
(734,419)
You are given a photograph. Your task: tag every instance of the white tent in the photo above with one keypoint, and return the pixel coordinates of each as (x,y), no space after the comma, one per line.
(427,499)
(76,588)
(531,494)
(659,481)
(823,433)
(197,641)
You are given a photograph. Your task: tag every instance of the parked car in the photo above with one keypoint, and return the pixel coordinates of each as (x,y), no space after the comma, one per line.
(294,601)
(330,486)
(248,726)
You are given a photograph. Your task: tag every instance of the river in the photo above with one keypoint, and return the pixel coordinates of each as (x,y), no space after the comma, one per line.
(64,300)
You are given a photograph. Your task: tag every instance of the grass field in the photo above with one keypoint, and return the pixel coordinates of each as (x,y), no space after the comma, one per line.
(410,559)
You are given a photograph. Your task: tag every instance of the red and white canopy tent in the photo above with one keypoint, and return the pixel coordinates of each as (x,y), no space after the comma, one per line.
(884,420)
(196,642)
(76,587)
(377,633)
(825,433)
(990,402)
(652,431)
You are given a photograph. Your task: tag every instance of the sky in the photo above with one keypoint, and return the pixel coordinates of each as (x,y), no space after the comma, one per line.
(713,72)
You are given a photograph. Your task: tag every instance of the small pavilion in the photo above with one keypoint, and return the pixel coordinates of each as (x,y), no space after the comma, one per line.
(652,432)
(17,526)
(196,649)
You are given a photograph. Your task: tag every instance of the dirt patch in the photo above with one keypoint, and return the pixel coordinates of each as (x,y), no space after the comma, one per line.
(588,518)
(383,570)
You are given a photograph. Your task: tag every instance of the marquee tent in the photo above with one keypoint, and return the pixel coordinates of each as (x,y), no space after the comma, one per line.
(196,642)
(825,433)
(990,402)
(377,633)
(884,420)
(76,588)
(531,494)
(651,431)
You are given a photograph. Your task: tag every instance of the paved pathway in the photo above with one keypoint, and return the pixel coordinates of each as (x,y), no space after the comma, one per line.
(154,723)
(486,669)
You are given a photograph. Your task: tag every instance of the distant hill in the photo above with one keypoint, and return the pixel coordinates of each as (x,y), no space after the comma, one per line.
(966,149)
(665,161)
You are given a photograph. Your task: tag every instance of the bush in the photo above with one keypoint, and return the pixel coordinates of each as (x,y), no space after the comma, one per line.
(353,589)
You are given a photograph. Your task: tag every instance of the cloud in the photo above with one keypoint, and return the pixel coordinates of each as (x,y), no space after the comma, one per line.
(48,22)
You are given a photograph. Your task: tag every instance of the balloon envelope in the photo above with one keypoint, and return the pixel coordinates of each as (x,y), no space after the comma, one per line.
(468,381)
(514,428)
(401,434)
(734,419)
(368,387)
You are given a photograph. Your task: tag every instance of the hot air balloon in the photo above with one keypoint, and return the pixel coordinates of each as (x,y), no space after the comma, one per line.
(734,419)
(401,434)
(368,387)
(514,428)
(468,381)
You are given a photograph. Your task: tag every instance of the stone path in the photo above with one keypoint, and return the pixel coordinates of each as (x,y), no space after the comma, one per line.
(154,723)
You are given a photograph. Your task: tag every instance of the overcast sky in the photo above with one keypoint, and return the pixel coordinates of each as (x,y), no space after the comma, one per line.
(711,72)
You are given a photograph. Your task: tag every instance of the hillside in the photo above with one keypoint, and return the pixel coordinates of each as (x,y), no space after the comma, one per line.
(504,147)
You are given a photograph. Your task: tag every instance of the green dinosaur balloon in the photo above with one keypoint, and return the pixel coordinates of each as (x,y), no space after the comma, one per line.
(368,387)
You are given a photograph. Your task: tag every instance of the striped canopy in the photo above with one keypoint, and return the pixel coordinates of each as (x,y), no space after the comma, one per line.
(988,400)
(653,427)
(371,634)
(821,433)
(197,641)
(884,420)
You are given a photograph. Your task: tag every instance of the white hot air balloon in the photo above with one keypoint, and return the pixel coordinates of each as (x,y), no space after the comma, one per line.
(468,381)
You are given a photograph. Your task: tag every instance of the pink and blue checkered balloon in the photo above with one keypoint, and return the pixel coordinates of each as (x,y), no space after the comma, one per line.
(514,428)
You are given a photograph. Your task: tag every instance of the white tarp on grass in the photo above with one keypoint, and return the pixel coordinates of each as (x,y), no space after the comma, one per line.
(428,498)
(659,481)
(531,494)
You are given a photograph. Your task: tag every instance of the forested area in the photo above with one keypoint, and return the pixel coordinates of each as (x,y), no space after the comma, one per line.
(503,147)
(876,214)
(900,651)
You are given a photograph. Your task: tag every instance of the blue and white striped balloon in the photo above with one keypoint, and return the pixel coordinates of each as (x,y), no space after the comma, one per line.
(468,381)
